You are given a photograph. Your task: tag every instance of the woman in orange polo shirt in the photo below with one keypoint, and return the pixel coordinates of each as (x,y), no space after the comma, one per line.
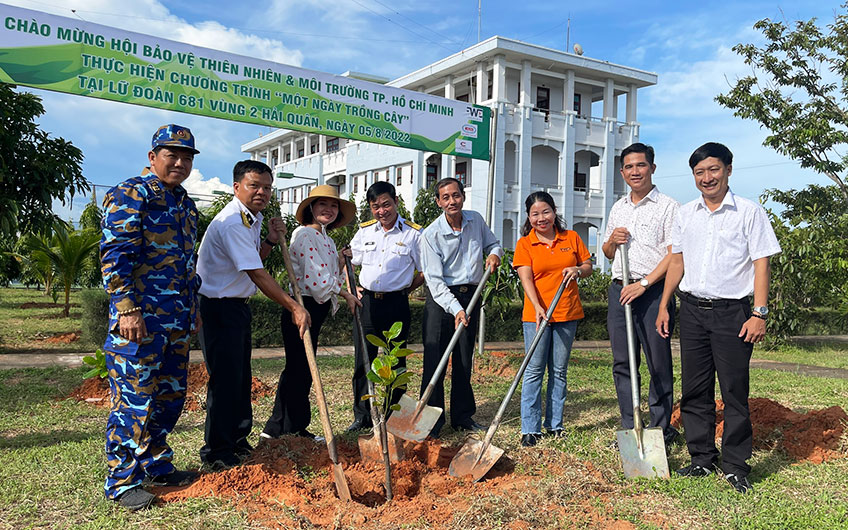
(545,254)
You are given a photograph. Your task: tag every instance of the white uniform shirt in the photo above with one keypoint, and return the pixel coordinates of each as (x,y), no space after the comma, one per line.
(649,222)
(229,248)
(316,265)
(719,248)
(390,258)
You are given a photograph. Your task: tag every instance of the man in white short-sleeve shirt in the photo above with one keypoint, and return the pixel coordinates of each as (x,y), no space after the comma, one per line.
(640,224)
(230,262)
(720,246)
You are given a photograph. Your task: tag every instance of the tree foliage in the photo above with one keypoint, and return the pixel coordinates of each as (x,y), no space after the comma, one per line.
(91,221)
(426,210)
(798,91)
(812,268)
(35,169)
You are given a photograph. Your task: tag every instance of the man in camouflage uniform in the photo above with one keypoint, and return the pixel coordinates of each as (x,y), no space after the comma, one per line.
(148,266)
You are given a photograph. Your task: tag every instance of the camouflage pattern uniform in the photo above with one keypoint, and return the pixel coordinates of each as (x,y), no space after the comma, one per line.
(148,261)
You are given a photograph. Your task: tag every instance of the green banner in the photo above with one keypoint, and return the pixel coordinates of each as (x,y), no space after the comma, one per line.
(67,55)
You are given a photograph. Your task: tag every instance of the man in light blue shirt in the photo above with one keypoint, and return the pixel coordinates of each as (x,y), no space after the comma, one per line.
(452,251)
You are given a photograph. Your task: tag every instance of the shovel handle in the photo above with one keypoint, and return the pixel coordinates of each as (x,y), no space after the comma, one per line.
(366,362)
(454,339)
(310,359)
(536,338)
(631,345)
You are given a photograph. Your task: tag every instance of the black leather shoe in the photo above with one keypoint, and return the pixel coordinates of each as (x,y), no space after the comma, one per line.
(556,433)
(529,440)
(672,438)
(739,483)
(359,424)
(306,434)
(694,470)
(135,499)
(175,478)
(469,425)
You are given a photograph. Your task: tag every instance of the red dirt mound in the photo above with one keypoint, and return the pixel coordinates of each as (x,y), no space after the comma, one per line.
(63,338)
(812,437)
(287,483)
(96,390)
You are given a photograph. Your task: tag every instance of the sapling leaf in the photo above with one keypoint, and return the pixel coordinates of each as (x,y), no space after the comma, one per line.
(402,352)
(369,396)
(394,331)
(91,373)
(395,407)
(374,378)
(393,360)
(376,341)
(88,359)
(385,373)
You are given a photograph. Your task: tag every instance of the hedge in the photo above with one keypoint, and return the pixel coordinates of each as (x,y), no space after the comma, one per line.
(337,328)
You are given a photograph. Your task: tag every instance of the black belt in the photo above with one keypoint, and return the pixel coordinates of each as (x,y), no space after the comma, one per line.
(378,295)
(619,282)
(240,300)
(464,288)
(711,303)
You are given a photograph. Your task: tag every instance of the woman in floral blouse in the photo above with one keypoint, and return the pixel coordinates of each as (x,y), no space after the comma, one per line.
(316,266)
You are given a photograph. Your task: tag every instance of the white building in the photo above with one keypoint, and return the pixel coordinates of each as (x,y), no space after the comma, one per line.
(559,129)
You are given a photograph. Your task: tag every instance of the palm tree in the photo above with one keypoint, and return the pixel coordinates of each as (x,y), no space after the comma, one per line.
(66,251)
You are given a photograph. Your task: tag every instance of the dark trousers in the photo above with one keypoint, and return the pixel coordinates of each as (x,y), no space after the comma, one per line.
(378,315)
(225,340)
(710,345)
(657,355)
(438,329)
(292,412)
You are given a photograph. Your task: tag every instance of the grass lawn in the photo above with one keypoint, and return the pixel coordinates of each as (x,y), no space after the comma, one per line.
(52,464)
(25,329)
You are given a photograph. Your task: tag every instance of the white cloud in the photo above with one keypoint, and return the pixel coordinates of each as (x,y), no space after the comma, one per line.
(204,189)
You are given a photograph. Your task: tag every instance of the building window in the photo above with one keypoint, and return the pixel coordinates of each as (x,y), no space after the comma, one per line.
(579,180)
(410,174)
(300,153)
(577,104)
(356,184)
(399,177)
(491,84)
(432,174)
(288,157)
(461,173)
(463,97)
(313,149)
(543,98)
(332,145)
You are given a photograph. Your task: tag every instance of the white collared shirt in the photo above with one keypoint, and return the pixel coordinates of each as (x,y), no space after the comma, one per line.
(315,264)
(719,248)
(389,259)
(450,257)
(649,222)
(229,248)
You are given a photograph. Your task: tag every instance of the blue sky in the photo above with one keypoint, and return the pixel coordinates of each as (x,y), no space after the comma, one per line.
(688,44)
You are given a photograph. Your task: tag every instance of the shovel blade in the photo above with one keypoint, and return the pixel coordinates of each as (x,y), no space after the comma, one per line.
(470,461)
(371,450)
(652,463)
(406,424)
(341,482)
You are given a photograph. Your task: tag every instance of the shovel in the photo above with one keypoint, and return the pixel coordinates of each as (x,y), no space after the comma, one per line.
(415,420)
(338,473)
(642,450)
(477,457)
(379,445)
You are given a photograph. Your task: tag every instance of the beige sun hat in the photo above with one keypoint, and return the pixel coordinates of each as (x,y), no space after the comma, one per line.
(347,210)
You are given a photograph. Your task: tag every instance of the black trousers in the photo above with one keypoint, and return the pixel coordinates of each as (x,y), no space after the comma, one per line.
(438,327)
(657,354)
(378,315)
(710,345)
(292,412)
(225,340)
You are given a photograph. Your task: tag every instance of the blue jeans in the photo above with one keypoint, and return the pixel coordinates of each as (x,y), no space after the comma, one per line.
(553,351)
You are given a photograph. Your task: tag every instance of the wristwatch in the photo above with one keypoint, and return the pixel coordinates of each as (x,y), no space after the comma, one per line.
(760,311)
(644,283)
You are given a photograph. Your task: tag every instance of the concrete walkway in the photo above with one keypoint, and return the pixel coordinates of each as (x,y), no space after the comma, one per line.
(46,360)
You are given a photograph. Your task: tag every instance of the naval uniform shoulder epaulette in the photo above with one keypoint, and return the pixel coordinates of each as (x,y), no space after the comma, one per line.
(409,223)
(367,223)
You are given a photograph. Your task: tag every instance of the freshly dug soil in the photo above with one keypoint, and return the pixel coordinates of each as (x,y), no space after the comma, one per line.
(96,390)
(812,437)
(287,483)
(62,338)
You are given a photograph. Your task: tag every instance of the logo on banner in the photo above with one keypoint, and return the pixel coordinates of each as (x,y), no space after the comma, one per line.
(469,130)
(463,146)
(474,113)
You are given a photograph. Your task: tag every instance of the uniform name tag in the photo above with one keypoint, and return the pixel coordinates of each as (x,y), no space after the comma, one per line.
(370,243)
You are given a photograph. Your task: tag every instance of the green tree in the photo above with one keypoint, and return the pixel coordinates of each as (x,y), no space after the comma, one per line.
(35,169)
(10,267)
(426,210)
(798,92)
(812,268)
(91,221)
(66,251)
